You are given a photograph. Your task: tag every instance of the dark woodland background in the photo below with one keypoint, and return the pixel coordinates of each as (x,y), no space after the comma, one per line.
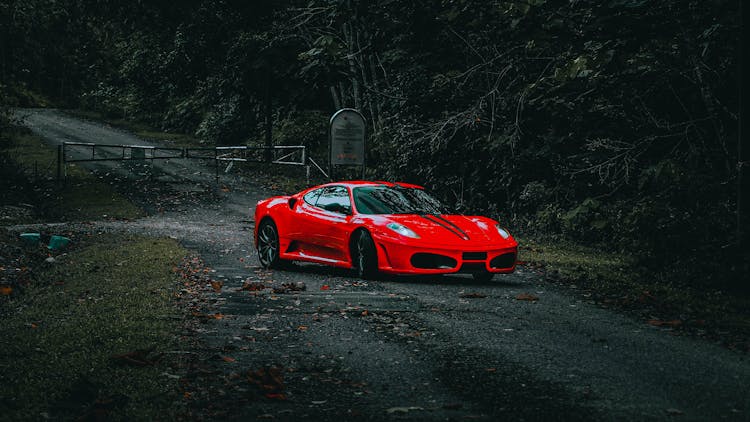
(607,122)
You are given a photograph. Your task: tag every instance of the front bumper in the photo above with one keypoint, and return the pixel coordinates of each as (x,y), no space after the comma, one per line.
(397,258)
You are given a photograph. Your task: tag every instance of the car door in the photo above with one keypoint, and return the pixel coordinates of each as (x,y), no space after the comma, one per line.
(337,204)
(305,216)
(327,222)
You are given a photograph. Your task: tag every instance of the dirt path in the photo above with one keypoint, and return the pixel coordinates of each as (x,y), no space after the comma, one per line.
(420,349)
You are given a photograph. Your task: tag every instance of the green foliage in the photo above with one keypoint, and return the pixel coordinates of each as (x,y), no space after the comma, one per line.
(308,128)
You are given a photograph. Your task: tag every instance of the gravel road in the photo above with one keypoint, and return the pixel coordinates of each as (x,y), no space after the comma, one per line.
(429,348)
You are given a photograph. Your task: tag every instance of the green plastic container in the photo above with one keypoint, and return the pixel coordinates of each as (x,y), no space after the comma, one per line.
(58,242)
(31,239)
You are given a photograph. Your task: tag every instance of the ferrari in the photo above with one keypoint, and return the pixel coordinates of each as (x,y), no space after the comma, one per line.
(380,227)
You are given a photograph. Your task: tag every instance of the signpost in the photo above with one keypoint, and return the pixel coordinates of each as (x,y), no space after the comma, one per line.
(347,139)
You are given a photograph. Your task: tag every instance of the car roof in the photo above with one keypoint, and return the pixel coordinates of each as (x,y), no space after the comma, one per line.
(360,183)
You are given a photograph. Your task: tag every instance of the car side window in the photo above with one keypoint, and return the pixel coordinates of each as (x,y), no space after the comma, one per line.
(312,197)
(335,199)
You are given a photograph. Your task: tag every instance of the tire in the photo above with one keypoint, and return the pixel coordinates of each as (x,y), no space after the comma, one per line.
(484,276)
(268,244)
(364,256)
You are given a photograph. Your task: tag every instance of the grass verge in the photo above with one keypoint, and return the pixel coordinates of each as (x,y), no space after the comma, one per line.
(112,296)
(615,281)
(30,175)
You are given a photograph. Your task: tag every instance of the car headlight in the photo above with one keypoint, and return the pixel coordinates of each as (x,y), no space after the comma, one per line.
(504,233)
(402,230)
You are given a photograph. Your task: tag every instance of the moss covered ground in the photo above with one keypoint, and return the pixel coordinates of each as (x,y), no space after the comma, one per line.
(89,336)
(615,280)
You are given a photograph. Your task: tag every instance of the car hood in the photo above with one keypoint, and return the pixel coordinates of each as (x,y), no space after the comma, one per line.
(451,229)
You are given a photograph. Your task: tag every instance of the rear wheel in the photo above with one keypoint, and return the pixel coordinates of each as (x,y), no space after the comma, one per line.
(268,244)
(364,256)
(483,276)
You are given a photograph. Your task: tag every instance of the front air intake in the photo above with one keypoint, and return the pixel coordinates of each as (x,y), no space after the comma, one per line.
(505,260)
(431,261)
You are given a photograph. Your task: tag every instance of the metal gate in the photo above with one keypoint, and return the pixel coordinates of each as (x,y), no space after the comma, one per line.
(75,152)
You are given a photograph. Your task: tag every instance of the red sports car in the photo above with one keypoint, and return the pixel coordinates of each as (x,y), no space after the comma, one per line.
(372,227)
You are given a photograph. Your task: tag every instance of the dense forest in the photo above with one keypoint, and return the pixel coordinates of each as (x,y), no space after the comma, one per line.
(611,122)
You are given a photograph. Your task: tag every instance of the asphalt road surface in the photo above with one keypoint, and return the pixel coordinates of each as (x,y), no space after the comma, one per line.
(429,348)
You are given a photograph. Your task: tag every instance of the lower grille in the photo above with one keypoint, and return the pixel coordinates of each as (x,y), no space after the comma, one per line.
(474,256)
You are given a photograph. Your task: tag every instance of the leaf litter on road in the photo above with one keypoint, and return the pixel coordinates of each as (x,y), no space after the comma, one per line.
(527,297)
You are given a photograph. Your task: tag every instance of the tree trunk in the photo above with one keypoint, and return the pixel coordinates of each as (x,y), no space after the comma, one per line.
(376,86)
(335,98)
(349,37)
(268,122)
(344,96)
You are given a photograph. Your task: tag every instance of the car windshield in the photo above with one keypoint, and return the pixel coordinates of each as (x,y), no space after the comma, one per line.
(395,200)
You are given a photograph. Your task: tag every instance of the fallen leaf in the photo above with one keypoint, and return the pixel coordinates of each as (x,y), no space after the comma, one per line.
(216,285)
(365,313)
(228,359)
(490,369)
(660,323)
(34,325)
(302,328)
(208,316)
(473,296)
(6,290)
(252,286)
(270,380)
(527,297)
(325,287)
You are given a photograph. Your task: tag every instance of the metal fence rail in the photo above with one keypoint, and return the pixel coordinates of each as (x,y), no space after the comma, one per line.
(280,154)
(74,152)
(103,152)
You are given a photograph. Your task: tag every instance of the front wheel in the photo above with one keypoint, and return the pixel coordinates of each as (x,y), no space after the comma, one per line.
(268,244)
(364,256)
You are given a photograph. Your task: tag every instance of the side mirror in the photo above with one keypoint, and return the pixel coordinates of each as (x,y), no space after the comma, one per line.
(336,207)
(292,202)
